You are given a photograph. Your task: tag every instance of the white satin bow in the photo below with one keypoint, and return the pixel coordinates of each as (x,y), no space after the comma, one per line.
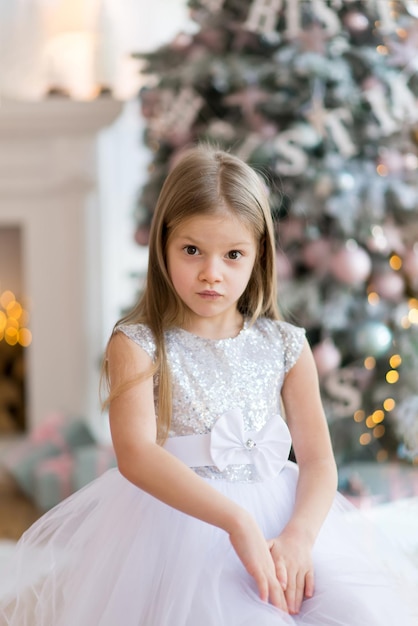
(267,449)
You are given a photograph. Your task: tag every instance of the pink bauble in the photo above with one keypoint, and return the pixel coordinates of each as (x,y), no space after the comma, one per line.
(316,254)
(393,160)
(356,22)
(389,285)
(290,230)
(284,268)
(351,264)
(327,357)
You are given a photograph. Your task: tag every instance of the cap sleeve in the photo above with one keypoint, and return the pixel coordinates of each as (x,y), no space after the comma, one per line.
(141,335)
(293,339)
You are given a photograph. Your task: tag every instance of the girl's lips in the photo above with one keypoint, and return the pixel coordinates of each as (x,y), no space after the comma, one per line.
(209,294)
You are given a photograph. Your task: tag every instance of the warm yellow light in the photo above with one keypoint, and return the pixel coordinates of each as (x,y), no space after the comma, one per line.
(369,362)
(413,303)
(370,422)
(395,360)
(395,262)
(405,323)
(365,439)
(359,415)
(10,336)
(382,170)
(373,298)
(12,323)
(389,404)
(25,337)
(7,297)
(14,309)
(413,316)
(382,49)
(378,416)
(392,377)
(379,431)
(13,318)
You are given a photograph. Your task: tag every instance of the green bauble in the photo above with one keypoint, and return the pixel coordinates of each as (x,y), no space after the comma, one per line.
(372,338)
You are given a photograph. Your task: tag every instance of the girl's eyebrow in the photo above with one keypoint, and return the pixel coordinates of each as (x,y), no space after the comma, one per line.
(231,245)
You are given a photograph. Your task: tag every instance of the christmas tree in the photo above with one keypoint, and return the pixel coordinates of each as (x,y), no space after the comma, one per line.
(321,97)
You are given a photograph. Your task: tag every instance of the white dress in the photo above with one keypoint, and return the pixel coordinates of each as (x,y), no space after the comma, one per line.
(112,555)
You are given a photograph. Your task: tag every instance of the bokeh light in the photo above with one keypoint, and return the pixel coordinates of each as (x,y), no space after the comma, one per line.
(14,320)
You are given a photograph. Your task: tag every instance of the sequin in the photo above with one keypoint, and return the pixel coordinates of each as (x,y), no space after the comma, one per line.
(210,377)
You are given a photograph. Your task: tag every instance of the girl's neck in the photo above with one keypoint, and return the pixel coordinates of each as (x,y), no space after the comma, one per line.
(209,328)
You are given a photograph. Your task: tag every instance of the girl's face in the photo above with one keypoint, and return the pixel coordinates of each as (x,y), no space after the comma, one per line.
(210,260)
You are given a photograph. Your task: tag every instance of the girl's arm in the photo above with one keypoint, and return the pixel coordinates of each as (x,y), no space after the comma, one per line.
(153,469)
(317,481)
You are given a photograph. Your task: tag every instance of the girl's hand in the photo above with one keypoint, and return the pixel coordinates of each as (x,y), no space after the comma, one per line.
(292,559)
(253,551)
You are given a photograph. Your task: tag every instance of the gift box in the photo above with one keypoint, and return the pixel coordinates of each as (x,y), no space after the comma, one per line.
(53,481)
(56,435)
(90,462)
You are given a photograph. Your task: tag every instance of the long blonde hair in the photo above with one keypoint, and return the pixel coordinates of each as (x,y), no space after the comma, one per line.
(203,181)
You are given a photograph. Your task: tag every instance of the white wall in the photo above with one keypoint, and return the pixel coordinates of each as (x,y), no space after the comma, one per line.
(71,186)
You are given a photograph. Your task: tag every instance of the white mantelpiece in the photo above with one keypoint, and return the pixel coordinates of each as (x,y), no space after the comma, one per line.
(49,188)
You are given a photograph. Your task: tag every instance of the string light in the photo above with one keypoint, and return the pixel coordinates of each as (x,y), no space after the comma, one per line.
(379,431)
(395,360)
(13,321)
(369,422)
(378,416)
(369,362)
(395,262)
(373,298)
(389,404)
(382,170)
(413,316)
(392,376)
(359,415)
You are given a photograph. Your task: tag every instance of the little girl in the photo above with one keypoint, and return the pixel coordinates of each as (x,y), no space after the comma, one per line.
(206,522)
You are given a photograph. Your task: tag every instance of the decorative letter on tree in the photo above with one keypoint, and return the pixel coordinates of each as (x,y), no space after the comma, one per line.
(321,96)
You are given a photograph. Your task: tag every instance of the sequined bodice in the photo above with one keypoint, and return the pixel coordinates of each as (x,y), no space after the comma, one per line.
(210,377)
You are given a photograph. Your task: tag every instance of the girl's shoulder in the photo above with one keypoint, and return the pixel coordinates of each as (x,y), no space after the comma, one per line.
(286,336)
(141,334)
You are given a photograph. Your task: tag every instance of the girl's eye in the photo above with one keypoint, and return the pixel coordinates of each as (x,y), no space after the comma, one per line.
(234,255)
(191,250)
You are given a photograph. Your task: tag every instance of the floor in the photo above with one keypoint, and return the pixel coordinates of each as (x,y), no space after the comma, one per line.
(17,512)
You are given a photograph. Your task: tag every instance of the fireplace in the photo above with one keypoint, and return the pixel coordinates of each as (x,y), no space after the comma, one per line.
(51,224)
(15,335)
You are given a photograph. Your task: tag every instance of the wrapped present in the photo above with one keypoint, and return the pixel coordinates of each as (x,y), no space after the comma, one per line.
(53,481)
(66,432)
(57,434)
(90,462)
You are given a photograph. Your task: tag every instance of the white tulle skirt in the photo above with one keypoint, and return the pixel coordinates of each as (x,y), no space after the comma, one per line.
(111,555)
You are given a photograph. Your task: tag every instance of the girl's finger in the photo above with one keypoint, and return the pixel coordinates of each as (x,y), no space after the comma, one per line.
(277,597)
(299,591)
(309,584)
(281,572)
(290,594)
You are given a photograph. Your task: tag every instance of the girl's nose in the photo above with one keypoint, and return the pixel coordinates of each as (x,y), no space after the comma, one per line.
(210,272)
